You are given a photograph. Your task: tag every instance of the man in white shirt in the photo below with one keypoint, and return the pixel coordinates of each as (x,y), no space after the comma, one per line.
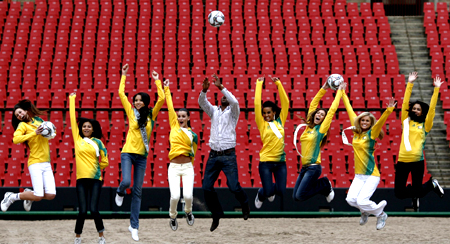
(222,157)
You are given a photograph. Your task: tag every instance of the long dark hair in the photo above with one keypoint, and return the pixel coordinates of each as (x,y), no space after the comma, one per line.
(423,116)
(310,122)
(188,114)
(28,106)
(274,106)
(144,111)
(97,129)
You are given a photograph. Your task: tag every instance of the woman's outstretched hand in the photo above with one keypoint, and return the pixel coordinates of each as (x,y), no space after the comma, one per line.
(391,103)
(412,77)
(125,69)
(437,81)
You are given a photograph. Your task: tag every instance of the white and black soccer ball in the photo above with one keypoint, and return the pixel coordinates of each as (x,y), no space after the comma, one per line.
(49,130)
(334,81)
(216,18)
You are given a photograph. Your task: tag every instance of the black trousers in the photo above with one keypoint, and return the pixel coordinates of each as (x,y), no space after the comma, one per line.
(226,162)
(88,193)
(417,189)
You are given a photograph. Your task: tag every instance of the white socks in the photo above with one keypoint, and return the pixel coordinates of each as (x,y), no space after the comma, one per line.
(15,196)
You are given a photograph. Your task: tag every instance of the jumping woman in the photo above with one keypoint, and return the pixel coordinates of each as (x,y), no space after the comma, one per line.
(141,120)
(270,120)
(183,146)
(314,138)
(366,130)
(417,121)
(26,124)
(91,158)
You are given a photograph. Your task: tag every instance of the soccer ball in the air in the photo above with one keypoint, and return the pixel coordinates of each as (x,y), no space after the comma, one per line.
(216,18)
(49,130)
(334,81)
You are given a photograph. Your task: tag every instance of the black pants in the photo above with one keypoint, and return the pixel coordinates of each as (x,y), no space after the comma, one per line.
(417,189)
(88,193)
(227,163)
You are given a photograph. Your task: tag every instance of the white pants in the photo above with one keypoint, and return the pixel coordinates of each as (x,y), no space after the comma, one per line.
(42,178)
(186,171)
(358,196)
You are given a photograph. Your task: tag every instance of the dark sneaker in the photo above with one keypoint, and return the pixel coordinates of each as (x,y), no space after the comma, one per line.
(190,219)
(246,210)
(173,224)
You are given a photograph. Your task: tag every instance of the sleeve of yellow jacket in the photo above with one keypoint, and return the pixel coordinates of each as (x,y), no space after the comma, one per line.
(258,110)
(104,155)
(348,107)
(73,120)
(20,136)
(194,146)
(376,129)
(432,110)
(284,102)
(172,114)
(160,102)
(123,98)
(334,106)
(315,102)
(406,97)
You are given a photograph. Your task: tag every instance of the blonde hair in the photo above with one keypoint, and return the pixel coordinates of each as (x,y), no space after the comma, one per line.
(373,120)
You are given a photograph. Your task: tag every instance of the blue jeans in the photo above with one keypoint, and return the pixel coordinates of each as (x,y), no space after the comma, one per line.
(308,183)
(140,164)
(225,162)
(266,170)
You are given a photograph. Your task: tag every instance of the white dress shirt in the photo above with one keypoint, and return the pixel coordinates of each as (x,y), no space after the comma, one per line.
(223,123)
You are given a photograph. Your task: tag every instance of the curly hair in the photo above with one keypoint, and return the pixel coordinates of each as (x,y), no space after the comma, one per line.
(97,129)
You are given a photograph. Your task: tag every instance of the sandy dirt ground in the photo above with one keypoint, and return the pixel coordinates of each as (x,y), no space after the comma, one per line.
(233,230)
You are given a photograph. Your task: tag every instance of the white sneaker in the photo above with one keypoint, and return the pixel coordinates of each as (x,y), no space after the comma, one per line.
(7,201)
(258,203)
(381,221)
(173,224)
(271,198)
(364,218)
(119,200)
(77,240)
(27,203)
(438,189)
(101,240)
(330,196)
(134,233)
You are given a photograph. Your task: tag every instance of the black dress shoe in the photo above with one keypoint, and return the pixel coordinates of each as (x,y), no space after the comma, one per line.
(214,224)
(245,211)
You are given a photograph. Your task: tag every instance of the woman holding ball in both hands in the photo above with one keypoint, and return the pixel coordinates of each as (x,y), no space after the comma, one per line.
(28,130)
(417,121)
(183,146)
(141,120)
(91,158)
(270,120)
(314,138)
(366,130)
